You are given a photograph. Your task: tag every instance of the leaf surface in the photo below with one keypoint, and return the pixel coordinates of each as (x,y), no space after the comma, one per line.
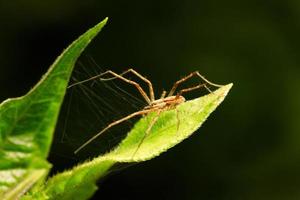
(79,182)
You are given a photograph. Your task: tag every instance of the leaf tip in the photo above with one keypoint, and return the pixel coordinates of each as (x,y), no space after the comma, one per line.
(101,24)
(225,89)
(105,20)
(230,85)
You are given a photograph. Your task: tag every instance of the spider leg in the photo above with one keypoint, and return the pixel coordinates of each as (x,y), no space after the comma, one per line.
(141,112)
(153,121)
(194,88)
(139,88)
(151,91)
(196,73)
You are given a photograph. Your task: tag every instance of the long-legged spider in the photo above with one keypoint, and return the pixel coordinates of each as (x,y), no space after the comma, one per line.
(165,102)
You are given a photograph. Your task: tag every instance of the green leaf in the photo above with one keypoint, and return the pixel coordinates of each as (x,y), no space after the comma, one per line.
(79,183)
(27,123)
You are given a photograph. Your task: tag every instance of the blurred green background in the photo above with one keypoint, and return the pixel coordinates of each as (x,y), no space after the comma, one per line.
(248,149)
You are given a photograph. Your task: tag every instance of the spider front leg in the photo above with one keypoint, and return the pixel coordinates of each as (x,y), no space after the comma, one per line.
(151,91)
(193,88)
(141,112)
(196,73)
(139,88)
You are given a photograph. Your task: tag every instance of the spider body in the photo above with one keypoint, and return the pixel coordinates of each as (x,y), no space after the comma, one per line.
(168,102)
(165,103)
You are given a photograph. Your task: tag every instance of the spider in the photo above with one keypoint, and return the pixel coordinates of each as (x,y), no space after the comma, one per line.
(167,101)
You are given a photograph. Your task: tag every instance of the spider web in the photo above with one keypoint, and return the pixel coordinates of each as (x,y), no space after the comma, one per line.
(87,109)
(91,106)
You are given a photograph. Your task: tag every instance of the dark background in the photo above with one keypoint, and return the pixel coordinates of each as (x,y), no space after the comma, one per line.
(248,149)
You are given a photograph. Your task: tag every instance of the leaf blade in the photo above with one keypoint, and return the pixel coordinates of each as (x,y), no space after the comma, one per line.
(163,137)
(27,123)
